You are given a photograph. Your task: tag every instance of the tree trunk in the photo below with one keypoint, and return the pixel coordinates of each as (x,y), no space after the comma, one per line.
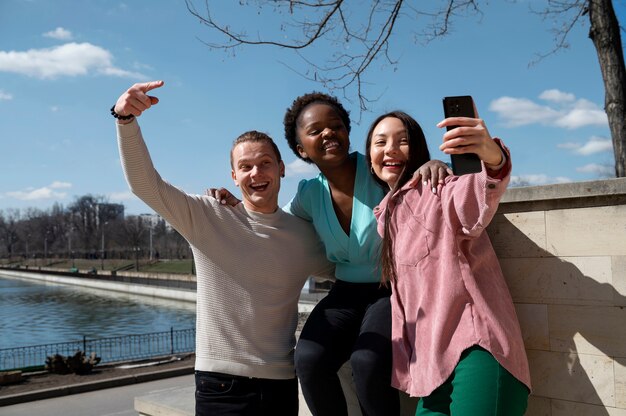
(605,34)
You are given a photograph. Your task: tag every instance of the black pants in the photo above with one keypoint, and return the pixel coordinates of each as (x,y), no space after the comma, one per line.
(353,322)
(227,395)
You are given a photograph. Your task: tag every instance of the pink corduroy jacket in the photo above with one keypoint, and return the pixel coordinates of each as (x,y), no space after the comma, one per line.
(450,293)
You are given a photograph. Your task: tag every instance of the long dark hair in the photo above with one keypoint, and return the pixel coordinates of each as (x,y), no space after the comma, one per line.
(418,155)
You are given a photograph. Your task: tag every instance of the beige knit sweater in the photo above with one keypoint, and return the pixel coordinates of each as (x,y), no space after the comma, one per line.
(250,269)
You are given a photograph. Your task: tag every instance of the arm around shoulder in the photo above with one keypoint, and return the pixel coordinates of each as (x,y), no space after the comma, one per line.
(299,205)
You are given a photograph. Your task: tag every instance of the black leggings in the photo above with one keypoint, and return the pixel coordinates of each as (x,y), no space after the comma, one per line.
(353,322)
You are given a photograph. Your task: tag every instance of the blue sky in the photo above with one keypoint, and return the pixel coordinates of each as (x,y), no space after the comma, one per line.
(64,63)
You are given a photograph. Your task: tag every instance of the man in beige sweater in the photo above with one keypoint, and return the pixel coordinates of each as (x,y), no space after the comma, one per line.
(251,260)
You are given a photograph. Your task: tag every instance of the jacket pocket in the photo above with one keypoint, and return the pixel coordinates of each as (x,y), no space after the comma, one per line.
(412,243)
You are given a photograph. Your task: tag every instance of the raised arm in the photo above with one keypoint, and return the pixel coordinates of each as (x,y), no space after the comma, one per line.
(135,101)
(174,205)
(470,201)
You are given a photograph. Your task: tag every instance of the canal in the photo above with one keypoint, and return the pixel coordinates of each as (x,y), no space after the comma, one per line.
(34,313)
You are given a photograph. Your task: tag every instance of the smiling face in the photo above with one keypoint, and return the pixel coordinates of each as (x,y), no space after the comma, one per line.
(389,150)
(257,171)
(322,135)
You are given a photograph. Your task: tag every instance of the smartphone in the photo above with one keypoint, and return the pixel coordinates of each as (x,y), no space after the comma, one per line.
(461,106)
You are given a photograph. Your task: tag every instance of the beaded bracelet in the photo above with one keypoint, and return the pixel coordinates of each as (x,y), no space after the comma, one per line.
(119,117)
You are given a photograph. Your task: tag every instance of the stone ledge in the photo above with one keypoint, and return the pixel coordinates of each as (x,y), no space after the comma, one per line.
(565,196)
(176,402)
(94,385)
(606,187)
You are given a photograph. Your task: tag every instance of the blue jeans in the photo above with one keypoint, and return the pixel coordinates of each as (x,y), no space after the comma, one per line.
(220,394)
(353,322)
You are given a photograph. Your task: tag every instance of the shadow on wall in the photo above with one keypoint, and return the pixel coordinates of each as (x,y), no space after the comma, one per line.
(573,325)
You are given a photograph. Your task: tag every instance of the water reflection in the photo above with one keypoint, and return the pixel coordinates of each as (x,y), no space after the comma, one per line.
(33,313)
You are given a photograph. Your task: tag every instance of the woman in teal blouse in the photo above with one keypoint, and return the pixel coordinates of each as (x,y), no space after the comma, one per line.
(353,322)
(355,254)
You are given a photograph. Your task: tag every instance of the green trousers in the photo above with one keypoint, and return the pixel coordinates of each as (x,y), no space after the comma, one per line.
(478,386)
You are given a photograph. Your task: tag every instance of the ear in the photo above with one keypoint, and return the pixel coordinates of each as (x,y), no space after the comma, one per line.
(281,169)
(301,152)
(234,176)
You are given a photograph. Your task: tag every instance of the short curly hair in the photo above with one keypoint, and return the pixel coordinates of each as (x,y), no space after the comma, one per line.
(297,107)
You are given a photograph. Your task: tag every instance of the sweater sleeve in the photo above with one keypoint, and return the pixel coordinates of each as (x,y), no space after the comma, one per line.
(175,206)
(470,201)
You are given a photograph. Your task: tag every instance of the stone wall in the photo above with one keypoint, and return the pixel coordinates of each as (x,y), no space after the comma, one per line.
(563,252)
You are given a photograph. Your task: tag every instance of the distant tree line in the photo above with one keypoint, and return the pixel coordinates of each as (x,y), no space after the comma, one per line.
(88,228)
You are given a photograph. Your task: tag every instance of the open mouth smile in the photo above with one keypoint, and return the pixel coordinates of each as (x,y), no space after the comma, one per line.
(393,164)
(260,186)
(330,145)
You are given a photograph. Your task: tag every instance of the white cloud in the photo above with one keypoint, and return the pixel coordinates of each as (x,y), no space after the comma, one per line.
(536,179)
(300,168)
(569,145)
(59,33)
(594,145)
(70,59)
(582,113)
(557,96)
(522,111)
(122,196)
(563,110)
(5,96)
(605,171)
(46,192)
(60,185)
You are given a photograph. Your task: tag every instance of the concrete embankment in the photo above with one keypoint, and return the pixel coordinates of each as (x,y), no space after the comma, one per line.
(166,286)
(149,288)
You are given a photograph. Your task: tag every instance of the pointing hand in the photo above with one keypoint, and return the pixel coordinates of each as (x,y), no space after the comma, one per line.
(135,100)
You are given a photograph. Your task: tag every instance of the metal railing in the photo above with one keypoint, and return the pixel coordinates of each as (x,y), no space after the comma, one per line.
(123,348)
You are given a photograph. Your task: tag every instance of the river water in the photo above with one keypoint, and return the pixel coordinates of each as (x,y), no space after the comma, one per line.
(34,313)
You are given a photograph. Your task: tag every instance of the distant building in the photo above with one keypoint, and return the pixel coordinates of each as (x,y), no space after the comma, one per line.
(109,212)
(153,220)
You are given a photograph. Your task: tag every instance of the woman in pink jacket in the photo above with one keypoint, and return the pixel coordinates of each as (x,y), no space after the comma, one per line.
(456,340)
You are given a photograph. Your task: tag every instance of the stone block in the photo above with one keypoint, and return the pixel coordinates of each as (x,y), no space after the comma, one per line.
(619,369)
(538,406)
(597,231)
(588,329)
(565,408)
(574,377)
(171,402)
(533,319)
(179,401)
(518,234)
(618,267)
(567,280)
(349,390)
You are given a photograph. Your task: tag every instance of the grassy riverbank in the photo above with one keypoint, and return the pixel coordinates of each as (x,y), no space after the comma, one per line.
(146,266)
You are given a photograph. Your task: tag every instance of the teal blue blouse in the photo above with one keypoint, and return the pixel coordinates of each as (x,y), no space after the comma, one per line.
(356,256)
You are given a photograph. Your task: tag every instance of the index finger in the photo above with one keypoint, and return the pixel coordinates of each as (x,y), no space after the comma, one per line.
(457,122)
(147,86)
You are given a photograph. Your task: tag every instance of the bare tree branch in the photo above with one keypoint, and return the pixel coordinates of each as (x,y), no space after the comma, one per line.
(241,39)
(566,13)
(362,35)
